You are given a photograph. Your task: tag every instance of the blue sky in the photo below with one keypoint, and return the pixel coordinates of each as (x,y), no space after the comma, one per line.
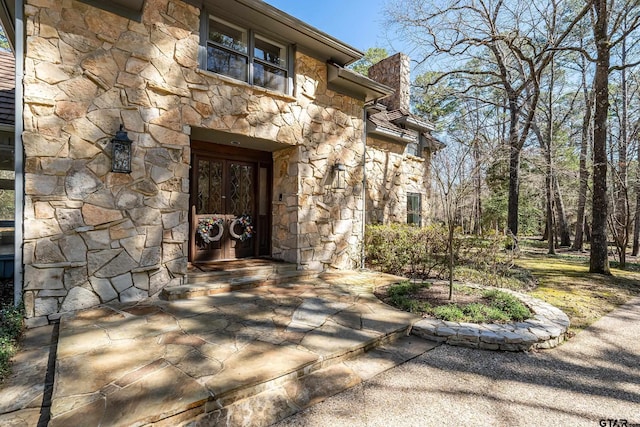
(358,23)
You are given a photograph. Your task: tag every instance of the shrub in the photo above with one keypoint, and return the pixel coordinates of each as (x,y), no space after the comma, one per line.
(10,330)
(422,252)
(497,306)
(508,304)
(450,312)
(400,295)
(480,313)
(404,249)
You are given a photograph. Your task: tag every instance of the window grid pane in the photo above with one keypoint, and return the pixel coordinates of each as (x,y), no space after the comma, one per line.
(228,36)
(269,77)
(232,50)
(227,63)
(269,52)
(414,208)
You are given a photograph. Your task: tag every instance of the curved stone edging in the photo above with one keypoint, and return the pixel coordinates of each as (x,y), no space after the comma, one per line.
(546,329)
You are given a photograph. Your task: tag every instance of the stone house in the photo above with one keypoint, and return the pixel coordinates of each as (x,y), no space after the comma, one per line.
(162,133)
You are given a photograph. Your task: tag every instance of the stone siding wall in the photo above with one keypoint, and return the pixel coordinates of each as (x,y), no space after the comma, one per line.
(93,236)
(394,71)
(391,174)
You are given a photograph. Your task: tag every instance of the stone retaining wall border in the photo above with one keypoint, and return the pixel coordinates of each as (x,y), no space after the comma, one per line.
(546,329)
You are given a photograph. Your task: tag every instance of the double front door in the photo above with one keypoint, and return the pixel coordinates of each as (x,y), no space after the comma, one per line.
(229,207)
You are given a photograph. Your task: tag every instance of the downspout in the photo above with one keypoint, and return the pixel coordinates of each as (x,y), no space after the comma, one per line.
(365,108)
(19,153)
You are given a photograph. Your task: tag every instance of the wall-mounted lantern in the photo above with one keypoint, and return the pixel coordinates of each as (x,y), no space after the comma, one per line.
(339,176)
(121,154)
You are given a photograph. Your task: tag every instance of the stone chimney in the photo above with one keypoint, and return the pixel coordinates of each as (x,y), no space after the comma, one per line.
(394,72)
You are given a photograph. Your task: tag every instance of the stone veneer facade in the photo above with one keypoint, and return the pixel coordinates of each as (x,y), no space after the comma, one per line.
(93,236)
(391,175)
(391,172)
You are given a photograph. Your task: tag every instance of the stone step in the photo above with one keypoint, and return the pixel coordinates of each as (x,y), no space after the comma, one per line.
(222,274)
(278,398)
(205,284)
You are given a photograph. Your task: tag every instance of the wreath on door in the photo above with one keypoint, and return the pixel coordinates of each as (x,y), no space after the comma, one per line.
(207,225)
(245,224)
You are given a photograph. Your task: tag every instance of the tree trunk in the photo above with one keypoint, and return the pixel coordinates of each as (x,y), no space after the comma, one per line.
(561,213)
(599,260)
(514,168)
(636,219)
(477,208)
(621,221)
(583,175)
(549,228)
(451,263)
(549,195)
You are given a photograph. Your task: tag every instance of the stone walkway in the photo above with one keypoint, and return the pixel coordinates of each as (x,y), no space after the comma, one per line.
(242,358)
(232,356)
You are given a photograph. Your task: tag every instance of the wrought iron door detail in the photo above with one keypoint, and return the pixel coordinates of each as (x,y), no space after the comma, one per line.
(226,219)
(209,198)
(242,191)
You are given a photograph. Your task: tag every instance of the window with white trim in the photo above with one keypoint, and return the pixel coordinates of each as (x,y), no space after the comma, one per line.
(244,55)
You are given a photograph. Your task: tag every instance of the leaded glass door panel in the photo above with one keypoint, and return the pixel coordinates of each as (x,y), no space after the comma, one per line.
(240,205)
(223,209)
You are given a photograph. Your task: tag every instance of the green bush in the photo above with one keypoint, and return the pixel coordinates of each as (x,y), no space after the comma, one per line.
(10,330)
(450,312)
(400,296)
(481,313)
(502,307)
(499,307)
(407,250)
(508,304)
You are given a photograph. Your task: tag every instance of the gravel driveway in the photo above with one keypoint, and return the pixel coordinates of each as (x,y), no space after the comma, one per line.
(592,380)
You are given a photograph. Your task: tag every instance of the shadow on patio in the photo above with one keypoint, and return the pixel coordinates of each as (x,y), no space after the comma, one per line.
(259,354)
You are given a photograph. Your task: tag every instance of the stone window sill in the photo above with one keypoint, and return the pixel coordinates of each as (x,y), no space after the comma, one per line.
(415,158)
(239,83)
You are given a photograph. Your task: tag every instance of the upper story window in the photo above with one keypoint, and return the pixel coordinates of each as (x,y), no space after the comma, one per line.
(413,148)
(245,55)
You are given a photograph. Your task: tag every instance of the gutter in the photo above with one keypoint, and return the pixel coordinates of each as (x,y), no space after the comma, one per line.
(365,109)
(19,153)
(403,136)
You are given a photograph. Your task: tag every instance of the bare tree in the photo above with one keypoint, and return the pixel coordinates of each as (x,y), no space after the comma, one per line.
(586,137)
(514,41)
(608,33)
(452,175)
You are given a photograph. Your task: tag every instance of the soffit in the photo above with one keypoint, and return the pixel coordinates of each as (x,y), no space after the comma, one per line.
(131,9)
(236,140)
(356,85)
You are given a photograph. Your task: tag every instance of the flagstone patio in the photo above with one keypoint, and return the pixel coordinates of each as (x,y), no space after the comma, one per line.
(239,358)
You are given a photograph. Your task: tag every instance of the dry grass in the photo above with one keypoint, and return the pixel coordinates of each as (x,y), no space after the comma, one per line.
(565,282)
